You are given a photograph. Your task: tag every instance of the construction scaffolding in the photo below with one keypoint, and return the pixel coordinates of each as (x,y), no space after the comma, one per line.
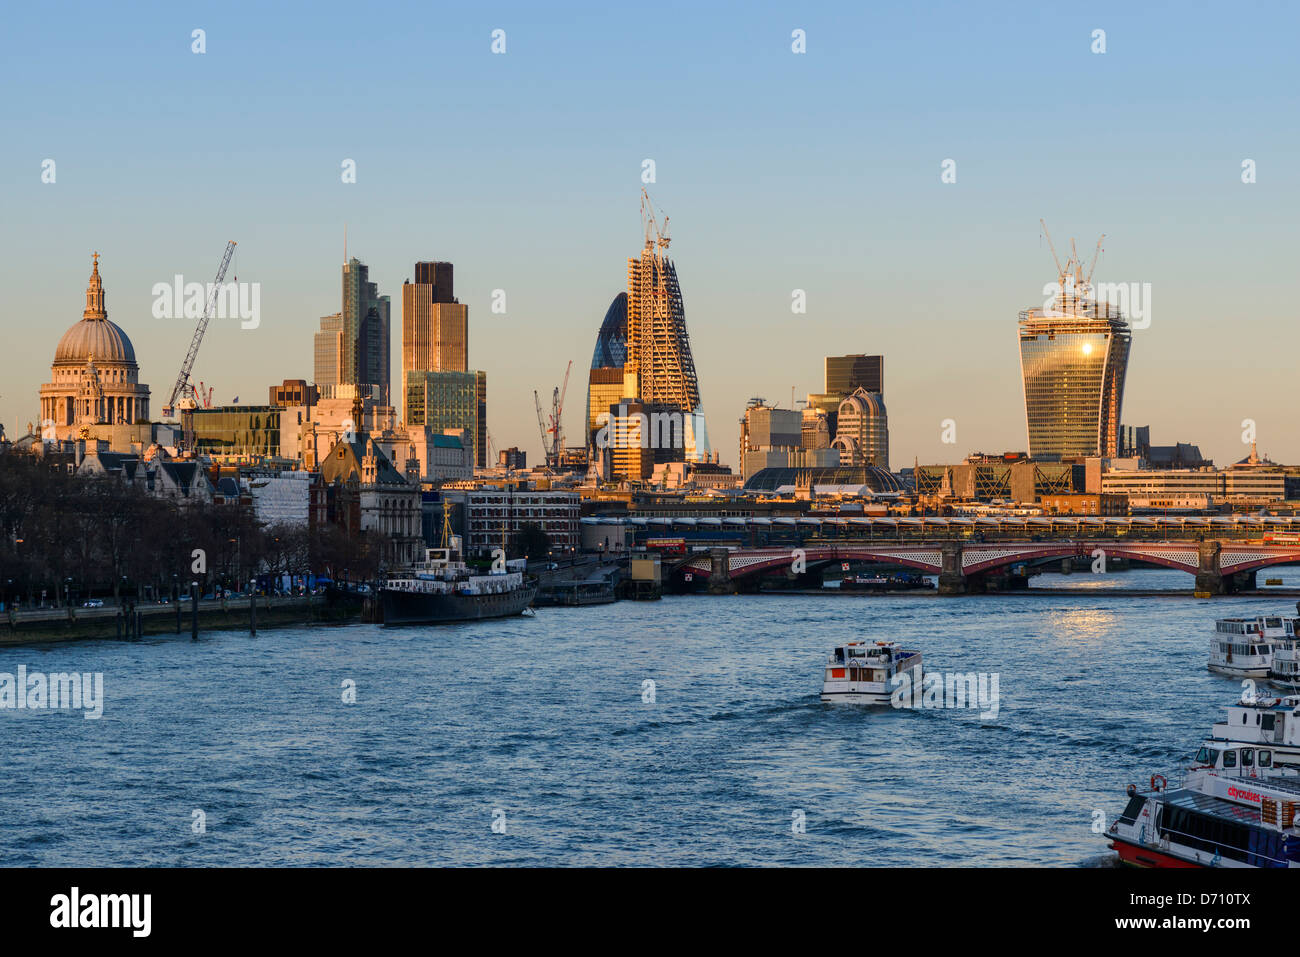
(658,347)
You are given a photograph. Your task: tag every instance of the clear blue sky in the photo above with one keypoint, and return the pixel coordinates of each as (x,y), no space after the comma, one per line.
(779,171)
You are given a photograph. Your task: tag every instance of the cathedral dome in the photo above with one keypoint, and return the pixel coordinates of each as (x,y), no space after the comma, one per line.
(94,335)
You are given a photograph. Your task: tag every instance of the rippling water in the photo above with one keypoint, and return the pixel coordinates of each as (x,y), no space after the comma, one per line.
(543,719)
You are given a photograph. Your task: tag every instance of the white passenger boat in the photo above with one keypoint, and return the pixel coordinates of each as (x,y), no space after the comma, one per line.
(1266,723)
(1233,809)
(1284,672)
(1244,647)
(863,673)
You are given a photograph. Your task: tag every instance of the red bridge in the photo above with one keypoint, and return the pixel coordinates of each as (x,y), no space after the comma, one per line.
(1220,567)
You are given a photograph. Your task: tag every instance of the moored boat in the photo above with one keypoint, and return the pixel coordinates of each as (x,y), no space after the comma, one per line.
(1271,723)
(442,588)
(1244,647)
(1234,808)
(864,673)
(899,582)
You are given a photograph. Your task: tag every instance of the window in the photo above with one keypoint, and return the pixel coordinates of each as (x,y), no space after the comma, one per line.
(1229,759)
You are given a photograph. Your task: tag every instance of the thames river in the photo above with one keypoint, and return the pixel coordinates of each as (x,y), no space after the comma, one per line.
(540,741)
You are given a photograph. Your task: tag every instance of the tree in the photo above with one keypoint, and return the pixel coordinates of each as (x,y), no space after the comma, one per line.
(532,541)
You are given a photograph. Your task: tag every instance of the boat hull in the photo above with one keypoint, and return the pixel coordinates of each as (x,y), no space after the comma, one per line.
(1138,855)
(415,608)
(1233,671)
(856,697)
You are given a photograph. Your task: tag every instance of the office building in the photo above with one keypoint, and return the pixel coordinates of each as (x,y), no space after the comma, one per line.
(862,430)
(1073,360)
(435,326)
(846,374)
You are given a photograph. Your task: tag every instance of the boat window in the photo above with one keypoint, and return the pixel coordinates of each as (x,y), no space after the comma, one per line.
(1266,759)
(1247,757)
(1134,808)
(1267,722)
(1229,759)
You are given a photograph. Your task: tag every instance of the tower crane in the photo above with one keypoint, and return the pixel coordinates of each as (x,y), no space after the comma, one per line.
(1095,256)
(1060,272)
(541,427)
(552,430)
(183,396)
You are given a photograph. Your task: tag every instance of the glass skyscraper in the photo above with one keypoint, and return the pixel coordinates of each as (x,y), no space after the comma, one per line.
(1073,359)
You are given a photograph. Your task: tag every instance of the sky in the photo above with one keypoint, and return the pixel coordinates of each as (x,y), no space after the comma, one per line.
(780,171)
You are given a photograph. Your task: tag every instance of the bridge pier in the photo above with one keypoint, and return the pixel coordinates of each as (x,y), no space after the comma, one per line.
(951,580)
(720,582)
(1209,577)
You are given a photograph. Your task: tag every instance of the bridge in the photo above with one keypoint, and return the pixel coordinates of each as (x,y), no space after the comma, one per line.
(1219,566)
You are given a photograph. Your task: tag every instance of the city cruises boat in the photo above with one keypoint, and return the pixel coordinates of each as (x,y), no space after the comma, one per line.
(1233,809)
(864,673)
(442,588)
(1243,647)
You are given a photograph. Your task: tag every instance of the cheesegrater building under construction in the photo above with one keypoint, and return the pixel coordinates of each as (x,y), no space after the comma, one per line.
(659,369)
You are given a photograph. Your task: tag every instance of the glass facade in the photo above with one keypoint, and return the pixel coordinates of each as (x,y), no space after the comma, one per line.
(237,431)
(844,374)
(447,400)
(1073,366)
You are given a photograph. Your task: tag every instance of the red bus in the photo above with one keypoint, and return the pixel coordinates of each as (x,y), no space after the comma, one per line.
(669,546)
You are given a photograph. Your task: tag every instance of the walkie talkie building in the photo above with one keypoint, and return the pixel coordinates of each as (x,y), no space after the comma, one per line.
(1073,359)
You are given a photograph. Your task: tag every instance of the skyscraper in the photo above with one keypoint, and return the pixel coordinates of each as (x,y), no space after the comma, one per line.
(366,332)
(844,374)
(659,369)
(328,353)
(1073,359)
(438,387)
(435,326)
(862,430)
(605,380)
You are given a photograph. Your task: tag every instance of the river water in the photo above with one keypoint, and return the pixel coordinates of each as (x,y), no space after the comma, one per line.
(541,726)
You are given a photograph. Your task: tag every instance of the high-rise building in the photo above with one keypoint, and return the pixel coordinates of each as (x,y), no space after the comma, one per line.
(1073,359)
(605,380)
(366,324)
(774,438)
(659,369)
(435,326)
(844,374)
(328,350)
(450,400)
(438,387)
(862,430)
(480,420)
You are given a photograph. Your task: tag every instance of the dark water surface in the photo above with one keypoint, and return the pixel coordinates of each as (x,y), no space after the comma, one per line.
(543,719)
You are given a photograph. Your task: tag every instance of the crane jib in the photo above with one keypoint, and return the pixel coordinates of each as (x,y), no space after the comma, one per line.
(183,387)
